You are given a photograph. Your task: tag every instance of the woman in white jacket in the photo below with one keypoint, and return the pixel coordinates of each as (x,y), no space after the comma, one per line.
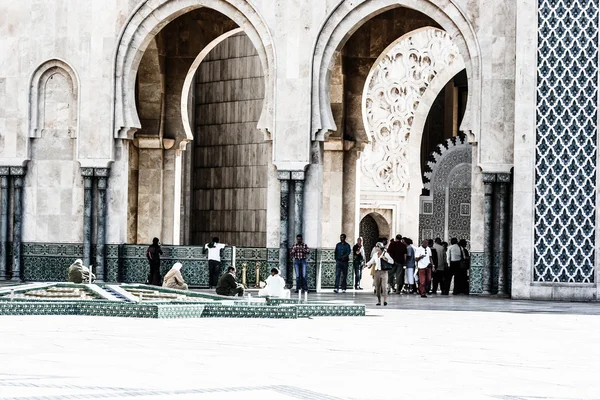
(381,277)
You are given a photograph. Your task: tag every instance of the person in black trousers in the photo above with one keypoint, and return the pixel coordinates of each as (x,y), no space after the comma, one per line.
(153,255)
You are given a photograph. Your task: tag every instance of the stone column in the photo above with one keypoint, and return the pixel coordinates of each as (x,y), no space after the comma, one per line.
(284,180)
(150,188)
(4,171)
(503,180)
(18,174)
(88,187)
(298,177)
(489,180)
(101,175)
(349,196)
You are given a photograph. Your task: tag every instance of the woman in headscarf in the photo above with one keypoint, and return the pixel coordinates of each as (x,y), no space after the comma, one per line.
(380,275)
(173,278)
(78,273)
(153,255)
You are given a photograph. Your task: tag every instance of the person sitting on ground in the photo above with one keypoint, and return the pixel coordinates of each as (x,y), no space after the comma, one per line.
(173,279)
(275,286)
(79,273)
(227,285)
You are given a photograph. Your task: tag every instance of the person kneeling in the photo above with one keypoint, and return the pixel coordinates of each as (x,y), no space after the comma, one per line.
(275,286)
(227,285)
(173,279)
(79,273)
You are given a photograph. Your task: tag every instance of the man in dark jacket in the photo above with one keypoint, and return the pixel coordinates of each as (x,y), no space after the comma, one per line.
(227,285)
(397,250)
(342,258)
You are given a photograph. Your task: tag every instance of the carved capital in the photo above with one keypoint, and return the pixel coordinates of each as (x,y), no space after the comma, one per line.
(18,171)
(87,172)
(298,175)
(4,170)
(283,175)
(488,177)
(101,172)
(503,177)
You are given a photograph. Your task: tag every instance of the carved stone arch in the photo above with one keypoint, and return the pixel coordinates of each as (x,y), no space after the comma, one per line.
(148,19)
(38,91)
(392,108)
(349,15)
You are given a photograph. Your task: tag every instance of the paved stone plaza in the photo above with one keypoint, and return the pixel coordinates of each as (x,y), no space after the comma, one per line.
(537,350)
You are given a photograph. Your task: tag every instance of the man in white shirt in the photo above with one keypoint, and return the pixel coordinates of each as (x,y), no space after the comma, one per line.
(275,286)
(214,261)
(423,259)
(454,257)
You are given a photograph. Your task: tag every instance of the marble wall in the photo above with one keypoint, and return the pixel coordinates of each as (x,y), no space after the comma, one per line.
(555,228)
(298,45)
(53,192)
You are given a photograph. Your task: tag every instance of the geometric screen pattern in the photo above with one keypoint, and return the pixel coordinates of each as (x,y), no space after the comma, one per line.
(566,141)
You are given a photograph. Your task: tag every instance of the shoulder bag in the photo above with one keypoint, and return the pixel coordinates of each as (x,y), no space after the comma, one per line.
(385,266)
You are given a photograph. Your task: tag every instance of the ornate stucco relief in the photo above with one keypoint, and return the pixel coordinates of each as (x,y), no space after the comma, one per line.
(391,96)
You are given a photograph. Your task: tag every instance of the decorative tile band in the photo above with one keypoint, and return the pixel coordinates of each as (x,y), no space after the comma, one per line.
(566,141)
(476,273)
(63,299)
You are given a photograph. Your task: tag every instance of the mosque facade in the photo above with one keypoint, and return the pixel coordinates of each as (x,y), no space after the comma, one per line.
(253,121)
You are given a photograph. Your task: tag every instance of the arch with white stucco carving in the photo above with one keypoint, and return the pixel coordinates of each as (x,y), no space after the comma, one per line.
(399,78)
(349,15)
(148,19)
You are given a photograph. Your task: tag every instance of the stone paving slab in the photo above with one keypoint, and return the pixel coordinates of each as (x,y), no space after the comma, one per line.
(390,354)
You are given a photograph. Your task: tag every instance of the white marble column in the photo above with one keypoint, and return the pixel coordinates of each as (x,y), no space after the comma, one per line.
(150,188)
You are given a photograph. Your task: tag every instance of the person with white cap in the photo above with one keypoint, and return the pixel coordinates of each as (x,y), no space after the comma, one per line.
(79,273)
(381,275)
(173,279)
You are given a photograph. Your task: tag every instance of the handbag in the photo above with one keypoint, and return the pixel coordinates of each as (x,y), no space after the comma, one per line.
(464,263)
(385,266)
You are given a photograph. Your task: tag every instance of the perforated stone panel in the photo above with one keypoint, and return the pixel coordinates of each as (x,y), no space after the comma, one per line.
(566,141)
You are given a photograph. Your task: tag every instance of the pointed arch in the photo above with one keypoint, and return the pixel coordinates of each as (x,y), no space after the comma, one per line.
(349,15)
(38,92)
(148,19)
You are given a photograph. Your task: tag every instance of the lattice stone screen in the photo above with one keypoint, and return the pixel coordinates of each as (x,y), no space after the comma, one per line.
(566,141)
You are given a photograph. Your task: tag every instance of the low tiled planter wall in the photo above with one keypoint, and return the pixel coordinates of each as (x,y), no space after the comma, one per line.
(48,262)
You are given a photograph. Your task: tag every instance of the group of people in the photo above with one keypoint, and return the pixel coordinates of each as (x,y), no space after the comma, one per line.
(400,268)
(405,268)
(225,284)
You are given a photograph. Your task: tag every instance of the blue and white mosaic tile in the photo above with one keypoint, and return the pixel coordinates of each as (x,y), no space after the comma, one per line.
(566,141)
